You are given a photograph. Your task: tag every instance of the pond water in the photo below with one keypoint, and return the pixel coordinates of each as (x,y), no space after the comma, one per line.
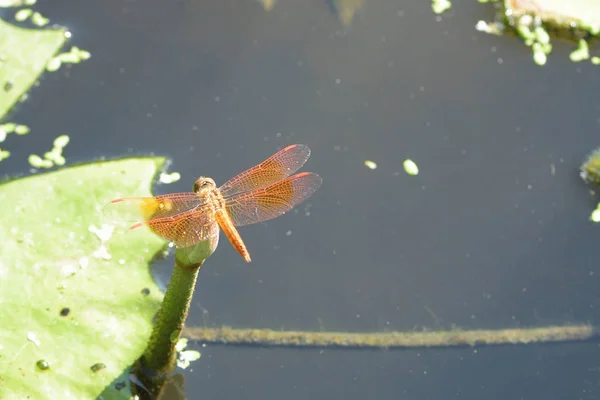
(492,233)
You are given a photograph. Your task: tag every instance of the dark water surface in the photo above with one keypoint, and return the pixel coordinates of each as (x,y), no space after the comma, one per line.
(486,236)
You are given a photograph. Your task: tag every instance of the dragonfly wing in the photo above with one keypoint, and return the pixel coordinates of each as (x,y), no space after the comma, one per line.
(275,168)
(181,218)
(272,201)
(185,229)
(148,208)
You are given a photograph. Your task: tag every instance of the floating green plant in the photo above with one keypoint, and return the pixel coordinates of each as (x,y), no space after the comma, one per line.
(23,14)
(590,169)
(52,157)
(5,130)
(590,173)
(11,127)
(185,357)
(370,164)
(16,3)
(410,167)
(582,52)
(536,21)
(439,6)
(74,56)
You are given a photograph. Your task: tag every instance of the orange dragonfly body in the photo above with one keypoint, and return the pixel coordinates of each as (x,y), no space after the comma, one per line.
(258,194)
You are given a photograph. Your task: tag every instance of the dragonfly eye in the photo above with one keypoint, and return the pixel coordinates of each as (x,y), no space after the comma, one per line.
(201,184)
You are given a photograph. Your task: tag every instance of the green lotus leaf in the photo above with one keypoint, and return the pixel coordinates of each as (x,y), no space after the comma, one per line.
(76,301)
(24,54)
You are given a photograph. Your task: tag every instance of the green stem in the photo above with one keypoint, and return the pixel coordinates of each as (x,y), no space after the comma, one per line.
(159,356)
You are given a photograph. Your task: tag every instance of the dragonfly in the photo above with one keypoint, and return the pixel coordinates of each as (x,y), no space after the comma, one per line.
(258,194)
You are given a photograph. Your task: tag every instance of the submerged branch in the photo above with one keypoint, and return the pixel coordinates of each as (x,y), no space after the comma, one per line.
(449,338)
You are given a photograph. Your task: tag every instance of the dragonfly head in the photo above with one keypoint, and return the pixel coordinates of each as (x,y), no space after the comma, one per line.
(204,185)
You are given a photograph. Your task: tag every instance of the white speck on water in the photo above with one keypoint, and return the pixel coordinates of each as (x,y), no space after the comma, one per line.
(338,81)
(169,178)
(482,26)
(288,233)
